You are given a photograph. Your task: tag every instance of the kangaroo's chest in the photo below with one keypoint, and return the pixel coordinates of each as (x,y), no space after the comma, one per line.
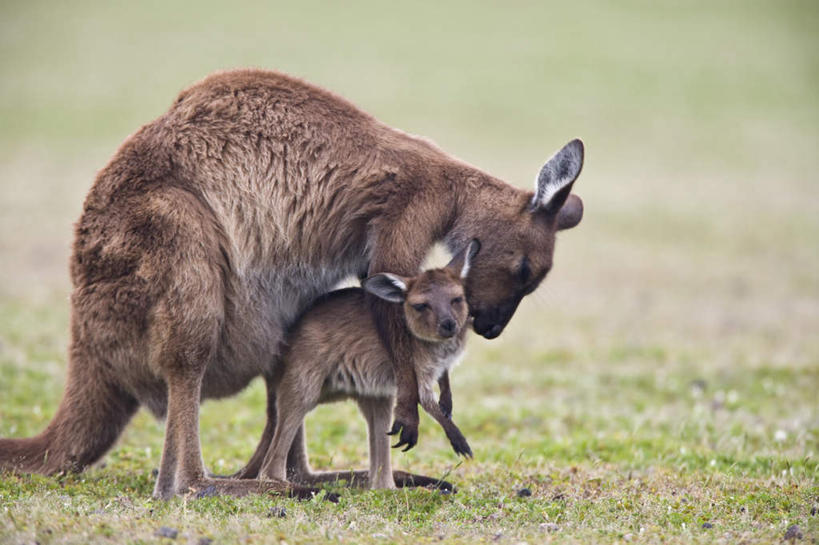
(260,309)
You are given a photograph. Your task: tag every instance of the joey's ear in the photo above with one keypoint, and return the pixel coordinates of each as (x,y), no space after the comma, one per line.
(389,287)
(570,213)
(462,261)
(554,182)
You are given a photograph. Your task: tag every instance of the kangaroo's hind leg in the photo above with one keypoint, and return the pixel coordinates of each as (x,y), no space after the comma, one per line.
(185,329)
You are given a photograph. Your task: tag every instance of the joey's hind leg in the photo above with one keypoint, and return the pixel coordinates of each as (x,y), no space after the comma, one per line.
(182,470)
(377,412)
(183,344)
(254,465)
(294,399)
(299,471)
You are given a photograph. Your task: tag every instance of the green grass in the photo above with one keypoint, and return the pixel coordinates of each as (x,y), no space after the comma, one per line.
(664,376)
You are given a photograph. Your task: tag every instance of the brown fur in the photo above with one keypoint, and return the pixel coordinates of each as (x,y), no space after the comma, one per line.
(213,226)
(334,352)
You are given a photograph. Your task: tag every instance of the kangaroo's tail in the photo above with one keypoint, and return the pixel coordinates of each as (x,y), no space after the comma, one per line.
(92,414)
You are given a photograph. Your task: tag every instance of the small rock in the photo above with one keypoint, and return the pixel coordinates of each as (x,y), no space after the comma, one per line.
(699,385)
(524,493)
(549,527)
(204,541)
(497,536)
(707,525)
(332,497)
(793,533)
(628,537)
(167,531)
(277,512)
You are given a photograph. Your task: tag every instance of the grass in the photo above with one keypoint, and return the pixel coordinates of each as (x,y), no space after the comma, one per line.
(664,377)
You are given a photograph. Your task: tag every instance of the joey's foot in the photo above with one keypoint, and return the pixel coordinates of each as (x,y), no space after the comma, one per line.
(203,488)
(361,479)
(410,480)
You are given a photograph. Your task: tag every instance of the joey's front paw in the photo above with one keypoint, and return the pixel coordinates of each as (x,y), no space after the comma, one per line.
(405,424)
(459,445)
(408,437)
(445,403)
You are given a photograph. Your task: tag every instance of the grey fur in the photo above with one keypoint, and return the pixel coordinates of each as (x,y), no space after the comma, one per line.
(557,173)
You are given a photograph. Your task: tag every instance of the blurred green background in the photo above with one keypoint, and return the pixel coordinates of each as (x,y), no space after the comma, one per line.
(679,325)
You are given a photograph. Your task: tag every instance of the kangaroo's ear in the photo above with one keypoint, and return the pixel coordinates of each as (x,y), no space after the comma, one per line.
(554,182)
(570,213)
(389,287)
(462,261)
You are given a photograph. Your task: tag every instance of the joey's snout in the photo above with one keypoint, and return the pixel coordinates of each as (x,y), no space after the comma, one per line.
(447,328)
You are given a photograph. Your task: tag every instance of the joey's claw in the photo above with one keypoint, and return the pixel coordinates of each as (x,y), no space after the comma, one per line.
(396,427)
(408,437)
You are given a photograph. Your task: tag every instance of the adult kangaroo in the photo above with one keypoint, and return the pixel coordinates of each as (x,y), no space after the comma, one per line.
(215,225)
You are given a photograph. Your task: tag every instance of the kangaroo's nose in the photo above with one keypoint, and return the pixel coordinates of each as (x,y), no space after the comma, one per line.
(447,328)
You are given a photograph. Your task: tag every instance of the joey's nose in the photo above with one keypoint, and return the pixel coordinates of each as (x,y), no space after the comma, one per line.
(446,328)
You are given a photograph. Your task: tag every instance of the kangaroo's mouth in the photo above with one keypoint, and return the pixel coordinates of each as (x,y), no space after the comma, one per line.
(486,327)
(489,332)
(490,322)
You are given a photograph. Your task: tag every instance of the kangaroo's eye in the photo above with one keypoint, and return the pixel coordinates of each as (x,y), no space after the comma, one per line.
(457,300)
(420,307)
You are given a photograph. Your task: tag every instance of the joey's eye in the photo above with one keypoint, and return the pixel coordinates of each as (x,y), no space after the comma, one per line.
(420,307)
(525,271)
(457,300)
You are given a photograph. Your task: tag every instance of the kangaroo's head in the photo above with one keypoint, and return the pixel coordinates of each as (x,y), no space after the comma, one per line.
(517,237)
(434,301)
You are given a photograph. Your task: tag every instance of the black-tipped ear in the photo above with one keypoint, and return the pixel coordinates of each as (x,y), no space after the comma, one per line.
(554,182)
(462,261)
(388,287)
(570,213)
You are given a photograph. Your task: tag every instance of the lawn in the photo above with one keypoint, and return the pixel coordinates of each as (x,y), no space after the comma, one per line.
(661,386)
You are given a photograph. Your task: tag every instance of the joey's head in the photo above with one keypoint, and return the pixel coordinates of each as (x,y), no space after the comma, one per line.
(517,233)
(434,301)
